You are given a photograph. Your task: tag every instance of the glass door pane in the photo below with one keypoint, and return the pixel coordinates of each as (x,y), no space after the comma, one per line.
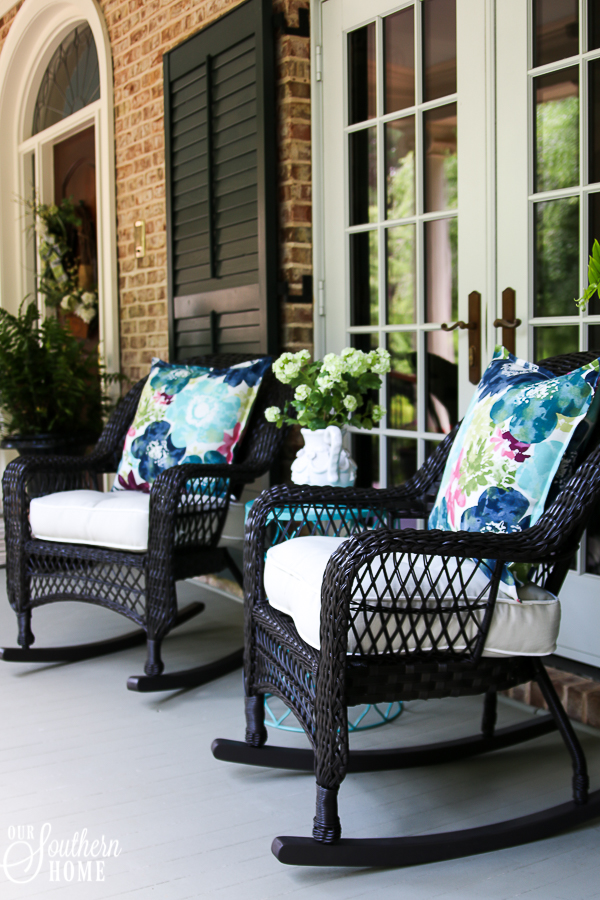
(403,225)
(565,119)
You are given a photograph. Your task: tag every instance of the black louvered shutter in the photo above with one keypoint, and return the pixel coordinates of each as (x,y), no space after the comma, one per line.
(221,186)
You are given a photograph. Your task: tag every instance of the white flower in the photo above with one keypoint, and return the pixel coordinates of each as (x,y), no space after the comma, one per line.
(288,366)
(70,302)
(334,366)
(325,383)
(355,361)
(380,361)
(302,392)
(291,371)
(280,366)
(42,228)
(86,313)
(272,413)
(378,413)
(88,299)
(350,402)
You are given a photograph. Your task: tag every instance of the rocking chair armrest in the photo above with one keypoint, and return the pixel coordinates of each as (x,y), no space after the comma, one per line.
(530,545)
(170,488)
(360,550)
(397,501)
(24,466)
(300,501)
(20,471)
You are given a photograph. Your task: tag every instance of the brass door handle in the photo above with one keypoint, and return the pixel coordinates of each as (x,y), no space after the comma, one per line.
(462,325)
(474,326)
(504,323)
(509,322)
(474,337)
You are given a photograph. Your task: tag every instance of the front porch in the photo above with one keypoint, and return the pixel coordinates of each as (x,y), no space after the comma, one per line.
(81,752)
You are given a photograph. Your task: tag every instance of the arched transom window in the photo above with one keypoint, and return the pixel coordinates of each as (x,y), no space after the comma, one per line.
(71,80)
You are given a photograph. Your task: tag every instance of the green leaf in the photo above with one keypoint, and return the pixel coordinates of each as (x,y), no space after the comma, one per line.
(593,277)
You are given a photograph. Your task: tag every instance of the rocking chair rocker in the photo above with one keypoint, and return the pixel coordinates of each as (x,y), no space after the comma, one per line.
(188,509)
(398,621)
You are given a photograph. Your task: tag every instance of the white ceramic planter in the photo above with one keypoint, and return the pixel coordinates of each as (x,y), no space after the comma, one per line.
(323,460)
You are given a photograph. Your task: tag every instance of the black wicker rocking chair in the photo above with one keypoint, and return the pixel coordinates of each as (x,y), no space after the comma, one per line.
(184,530)
(382,640)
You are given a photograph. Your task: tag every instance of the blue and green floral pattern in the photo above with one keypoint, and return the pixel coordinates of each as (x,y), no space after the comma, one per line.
(187,414)
(510,445)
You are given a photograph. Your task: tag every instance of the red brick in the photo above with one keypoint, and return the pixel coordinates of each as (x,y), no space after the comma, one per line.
(576,704)
(593,707)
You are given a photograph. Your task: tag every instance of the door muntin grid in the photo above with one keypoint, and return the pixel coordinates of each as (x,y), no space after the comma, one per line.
(564,200)
(402,226)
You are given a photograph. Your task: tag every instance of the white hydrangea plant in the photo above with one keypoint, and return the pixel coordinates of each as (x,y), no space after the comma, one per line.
(332,391)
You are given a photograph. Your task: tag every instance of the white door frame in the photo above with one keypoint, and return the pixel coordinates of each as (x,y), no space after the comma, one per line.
(34,35)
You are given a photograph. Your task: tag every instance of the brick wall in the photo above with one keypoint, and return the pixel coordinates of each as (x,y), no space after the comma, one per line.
(295,187)
(579,696)
(141,31)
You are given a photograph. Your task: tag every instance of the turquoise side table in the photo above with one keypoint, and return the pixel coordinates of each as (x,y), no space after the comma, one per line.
(367,716)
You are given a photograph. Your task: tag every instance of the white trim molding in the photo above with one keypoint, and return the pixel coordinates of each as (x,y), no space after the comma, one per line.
(34,35)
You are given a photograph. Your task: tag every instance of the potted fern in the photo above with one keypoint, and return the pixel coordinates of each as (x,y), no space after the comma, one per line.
(53,393)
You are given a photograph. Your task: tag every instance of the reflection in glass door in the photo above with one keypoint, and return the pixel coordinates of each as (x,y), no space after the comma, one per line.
(402,227)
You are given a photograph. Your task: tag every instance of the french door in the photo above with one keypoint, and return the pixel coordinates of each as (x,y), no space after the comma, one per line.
(404,211)
(548,214)
(457,155)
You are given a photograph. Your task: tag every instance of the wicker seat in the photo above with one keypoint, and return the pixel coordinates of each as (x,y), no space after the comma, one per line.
(188,509)
(392,630)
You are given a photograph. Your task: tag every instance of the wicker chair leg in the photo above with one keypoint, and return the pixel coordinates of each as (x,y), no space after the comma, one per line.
(256,733)
(326,823)
(154,664)
(25,637)
(580,776)
(488,720)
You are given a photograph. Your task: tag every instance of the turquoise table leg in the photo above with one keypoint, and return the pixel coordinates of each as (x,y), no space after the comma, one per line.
(372,715)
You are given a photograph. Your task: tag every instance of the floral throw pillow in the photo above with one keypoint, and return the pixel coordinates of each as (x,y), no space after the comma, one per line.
(510,445)
(187,414)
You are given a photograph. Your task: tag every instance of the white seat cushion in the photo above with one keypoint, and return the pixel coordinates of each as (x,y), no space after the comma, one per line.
(294,573)
(117,519)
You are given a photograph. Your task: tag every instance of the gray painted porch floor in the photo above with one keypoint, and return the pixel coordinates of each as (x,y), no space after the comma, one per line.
(79,751)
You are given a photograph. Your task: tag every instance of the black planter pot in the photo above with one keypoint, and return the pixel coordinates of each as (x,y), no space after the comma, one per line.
(44,444)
